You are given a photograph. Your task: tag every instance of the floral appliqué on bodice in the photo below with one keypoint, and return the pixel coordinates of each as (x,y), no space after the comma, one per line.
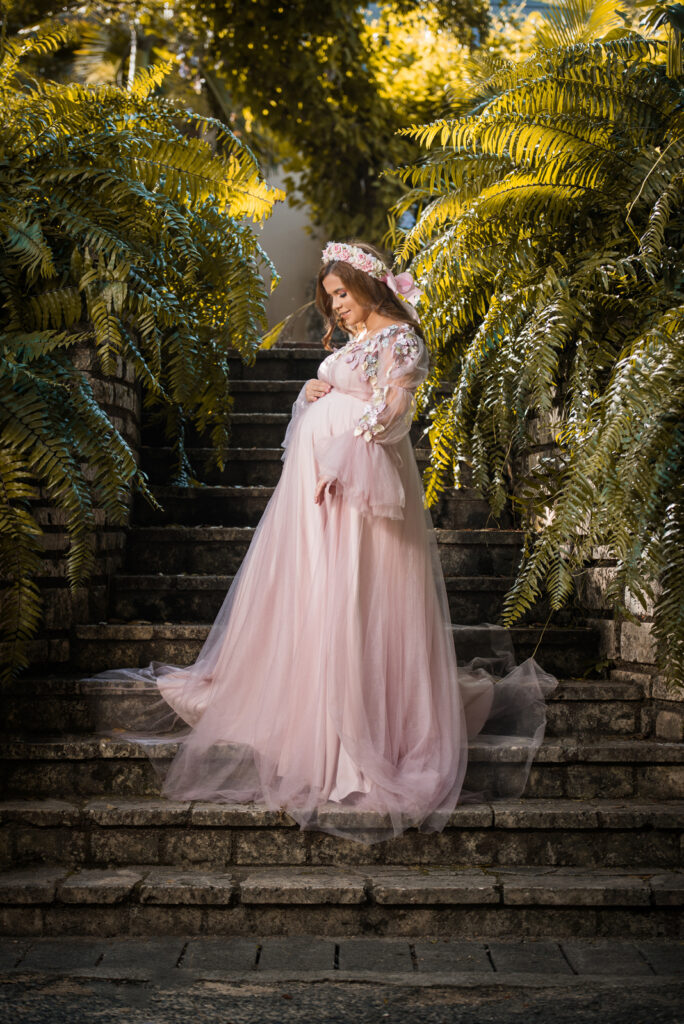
(366,353)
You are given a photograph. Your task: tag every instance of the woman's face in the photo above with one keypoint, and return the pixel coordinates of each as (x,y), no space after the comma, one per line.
(346,308)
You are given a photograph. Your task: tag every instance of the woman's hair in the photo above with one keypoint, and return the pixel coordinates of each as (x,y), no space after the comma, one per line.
(367,290)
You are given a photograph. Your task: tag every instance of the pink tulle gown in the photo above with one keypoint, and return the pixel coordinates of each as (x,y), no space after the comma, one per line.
(329,679)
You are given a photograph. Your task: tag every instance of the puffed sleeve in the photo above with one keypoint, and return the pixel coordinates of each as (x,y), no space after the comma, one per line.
(363,462)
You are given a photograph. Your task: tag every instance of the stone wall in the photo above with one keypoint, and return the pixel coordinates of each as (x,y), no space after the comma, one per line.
(119,396)
(628,649)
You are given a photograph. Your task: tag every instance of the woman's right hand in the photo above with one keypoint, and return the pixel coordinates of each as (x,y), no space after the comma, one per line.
(315,389)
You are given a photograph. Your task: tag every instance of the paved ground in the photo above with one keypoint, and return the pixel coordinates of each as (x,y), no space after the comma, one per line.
(243,981)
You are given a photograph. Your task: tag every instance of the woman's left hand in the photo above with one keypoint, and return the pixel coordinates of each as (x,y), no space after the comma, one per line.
(320,489)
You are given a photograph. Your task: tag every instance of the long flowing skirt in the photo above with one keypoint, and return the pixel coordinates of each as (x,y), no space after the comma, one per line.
(329,675)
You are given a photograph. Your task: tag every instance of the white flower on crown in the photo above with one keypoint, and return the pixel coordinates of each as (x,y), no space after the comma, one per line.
(357,258)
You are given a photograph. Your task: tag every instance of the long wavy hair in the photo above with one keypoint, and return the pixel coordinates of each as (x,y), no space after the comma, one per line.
(374,295)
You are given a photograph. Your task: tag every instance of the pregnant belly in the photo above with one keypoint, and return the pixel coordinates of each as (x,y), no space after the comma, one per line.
(335,413)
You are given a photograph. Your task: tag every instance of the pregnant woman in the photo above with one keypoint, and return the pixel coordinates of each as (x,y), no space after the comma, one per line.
(329,680)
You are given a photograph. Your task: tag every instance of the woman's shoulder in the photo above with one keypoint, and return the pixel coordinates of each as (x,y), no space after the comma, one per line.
(403,341)
(390,334)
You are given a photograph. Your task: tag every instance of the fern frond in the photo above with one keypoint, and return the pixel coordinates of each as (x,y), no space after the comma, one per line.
(548,240)
(123,227)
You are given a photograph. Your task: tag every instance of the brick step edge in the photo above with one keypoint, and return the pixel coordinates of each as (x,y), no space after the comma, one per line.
(165,901)
(553,750)
(199,631)
(295,886)
(31,687)
(177,532)
(201,581)
(529,814)
(109,830)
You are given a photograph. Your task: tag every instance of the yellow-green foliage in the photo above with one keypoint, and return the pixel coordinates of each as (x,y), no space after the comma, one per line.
(415,62)
(122,226)
(318,88)
(550,241)
(316,76)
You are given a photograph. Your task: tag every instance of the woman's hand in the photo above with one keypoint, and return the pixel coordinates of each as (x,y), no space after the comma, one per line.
(319,493)
(315,389)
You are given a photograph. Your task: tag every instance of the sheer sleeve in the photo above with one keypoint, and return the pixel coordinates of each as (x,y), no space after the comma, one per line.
(363,462)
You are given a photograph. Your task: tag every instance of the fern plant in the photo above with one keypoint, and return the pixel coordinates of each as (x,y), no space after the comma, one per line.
(124,224)
(549,238)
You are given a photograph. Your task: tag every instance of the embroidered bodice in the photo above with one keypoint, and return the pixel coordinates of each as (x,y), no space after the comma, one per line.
(383,369)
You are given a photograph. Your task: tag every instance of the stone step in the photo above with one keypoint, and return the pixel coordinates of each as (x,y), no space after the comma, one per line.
(118,830)
(247,430)
(565,767)
(440,902)
(269,384)
(224,506)
(561,650)
(291,364)
(580,708)
(214,505)
(197,598)
(221,549)
(243,467)
(263,429)
(583,708)
(265,395)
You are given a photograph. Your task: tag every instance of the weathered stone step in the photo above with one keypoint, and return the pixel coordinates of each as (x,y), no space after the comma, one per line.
(270,375)
(247,430)
(221,549)
(243,467)
(606,767)
(494,902)
(243,506)
(561,650)
(197,597)
(117,830)
(583,708)
(264,395)
(42,705)
(225,506)
(293,364)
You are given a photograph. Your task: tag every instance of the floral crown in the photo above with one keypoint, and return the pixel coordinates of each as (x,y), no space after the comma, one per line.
(359,259)
(401,285)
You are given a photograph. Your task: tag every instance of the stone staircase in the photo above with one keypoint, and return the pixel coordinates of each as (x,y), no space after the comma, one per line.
(88,847)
